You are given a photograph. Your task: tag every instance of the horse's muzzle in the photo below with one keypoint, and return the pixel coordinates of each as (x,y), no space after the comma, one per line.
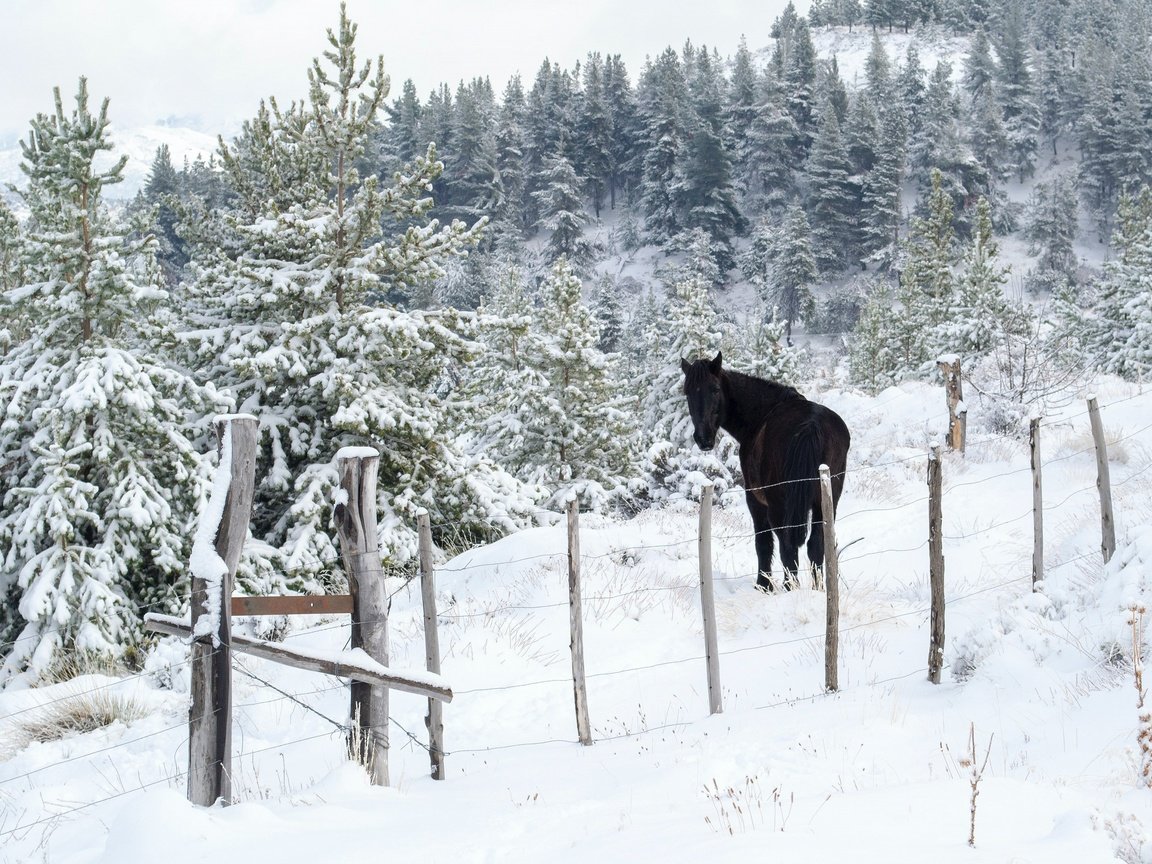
(703,444)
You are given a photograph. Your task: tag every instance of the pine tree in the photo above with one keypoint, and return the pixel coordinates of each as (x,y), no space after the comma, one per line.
(1051,232)
(707,197)
(297,327)
(981,318)
(791,272)
(1120,338)
(621,104)
(594,134)
(664,111)
(561,209)
(832,200)
(509,218)
(768,163)
(688,329)
(609,314)
(879,218)
(1017,96)
(103,475)
(11,250)
(568,430)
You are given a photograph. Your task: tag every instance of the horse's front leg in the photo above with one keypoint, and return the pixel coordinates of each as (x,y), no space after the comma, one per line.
(763,529)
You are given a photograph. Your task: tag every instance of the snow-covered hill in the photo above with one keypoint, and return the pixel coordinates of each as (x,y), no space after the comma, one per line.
(139,143)
(876,772)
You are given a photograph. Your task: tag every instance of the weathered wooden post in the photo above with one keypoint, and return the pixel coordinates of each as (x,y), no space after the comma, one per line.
(1103,483)
(435,718)
(831,583)
(215,554)
(708,602)
(1037,504)
(935,566)
(355,517)
(583,726)
(957,412)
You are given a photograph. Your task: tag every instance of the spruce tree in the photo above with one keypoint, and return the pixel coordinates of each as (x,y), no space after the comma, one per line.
(561,206)
(103,474)
(299,328)
(791,272)
(831,198)
(1120,338)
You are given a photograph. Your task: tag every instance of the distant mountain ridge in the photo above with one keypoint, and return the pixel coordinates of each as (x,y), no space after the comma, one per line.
(138,143)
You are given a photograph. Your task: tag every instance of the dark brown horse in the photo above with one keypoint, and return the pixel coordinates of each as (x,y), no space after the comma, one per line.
(784,439)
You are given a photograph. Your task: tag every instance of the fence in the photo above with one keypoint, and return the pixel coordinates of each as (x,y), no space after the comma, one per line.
(425,684)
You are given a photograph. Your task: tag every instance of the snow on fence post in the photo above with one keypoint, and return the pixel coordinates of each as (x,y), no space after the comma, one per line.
(957,411)
(1103,483)
(435,718)
(220,534)
(355,517)
(583,726)
(1037,504)
(708,602)
(935,566)
(831,583)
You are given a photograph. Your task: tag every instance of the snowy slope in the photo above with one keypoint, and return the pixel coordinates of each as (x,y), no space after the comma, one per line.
(873,773)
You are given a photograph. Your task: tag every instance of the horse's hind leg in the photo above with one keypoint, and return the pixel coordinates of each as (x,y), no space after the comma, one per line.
(790,558)
(763,529)
(816,547)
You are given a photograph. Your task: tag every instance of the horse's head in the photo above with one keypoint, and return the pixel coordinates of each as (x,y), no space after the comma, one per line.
(705,399)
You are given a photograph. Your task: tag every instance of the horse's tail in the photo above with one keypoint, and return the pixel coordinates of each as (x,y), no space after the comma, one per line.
(802,473)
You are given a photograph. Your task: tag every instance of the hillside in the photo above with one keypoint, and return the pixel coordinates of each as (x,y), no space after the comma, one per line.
(875,772)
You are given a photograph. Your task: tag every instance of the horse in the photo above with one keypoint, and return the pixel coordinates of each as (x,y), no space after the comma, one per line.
(783,438)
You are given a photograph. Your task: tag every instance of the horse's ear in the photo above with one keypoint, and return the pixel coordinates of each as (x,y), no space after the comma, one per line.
(716,363)
(684,367)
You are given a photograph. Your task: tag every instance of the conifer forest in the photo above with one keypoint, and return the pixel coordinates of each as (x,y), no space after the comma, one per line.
(494,283)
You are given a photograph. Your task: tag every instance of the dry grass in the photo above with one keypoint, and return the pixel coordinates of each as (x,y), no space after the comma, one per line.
(76,715)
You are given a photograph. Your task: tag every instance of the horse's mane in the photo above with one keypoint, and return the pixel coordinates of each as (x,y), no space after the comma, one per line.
(754,389)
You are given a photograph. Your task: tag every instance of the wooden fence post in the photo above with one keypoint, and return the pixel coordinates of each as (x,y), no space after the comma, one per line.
(831,583)
(583,726)
(957,411)
(935,566)
(708,602)
(435,718)
(355,517)
(1037,504)
(215,554)
(1103,483)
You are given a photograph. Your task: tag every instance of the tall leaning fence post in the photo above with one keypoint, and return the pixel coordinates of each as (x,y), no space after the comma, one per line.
(935,566)
(576,618)
(1103,483)
(708,602)
(215,555)
(355,517)
(831,583)
(435,717)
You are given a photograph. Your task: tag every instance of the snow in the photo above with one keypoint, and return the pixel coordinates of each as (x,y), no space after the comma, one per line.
(875,772)
(357,453)
(205,563)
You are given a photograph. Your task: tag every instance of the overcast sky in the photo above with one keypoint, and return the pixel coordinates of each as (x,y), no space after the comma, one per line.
(212,60)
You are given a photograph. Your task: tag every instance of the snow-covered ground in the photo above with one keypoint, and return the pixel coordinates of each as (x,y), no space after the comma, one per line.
(875,772)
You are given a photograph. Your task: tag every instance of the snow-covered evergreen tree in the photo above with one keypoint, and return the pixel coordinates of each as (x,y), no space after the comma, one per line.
(791,272)
(1051,230)
(687,330)
(295,326)
(560,204)
(562,423)
(1120,338)
(103,474)
(832,201)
